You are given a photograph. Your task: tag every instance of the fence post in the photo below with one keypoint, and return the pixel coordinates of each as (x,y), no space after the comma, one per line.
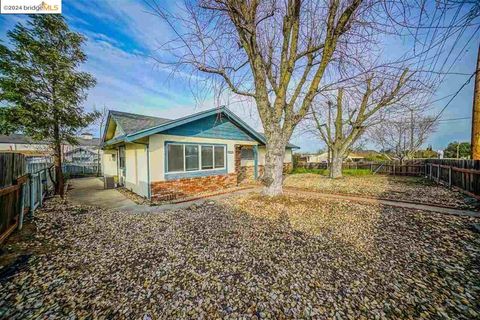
(32,195)
(22,206)
(430,171)
(40,188)
(438,173)
(450,176)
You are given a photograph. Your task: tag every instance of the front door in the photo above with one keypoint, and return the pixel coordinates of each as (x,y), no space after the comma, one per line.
(121,166)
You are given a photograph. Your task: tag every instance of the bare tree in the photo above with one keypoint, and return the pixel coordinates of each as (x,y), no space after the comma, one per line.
(274,53)
(342,123)
(403,136)
(102,119)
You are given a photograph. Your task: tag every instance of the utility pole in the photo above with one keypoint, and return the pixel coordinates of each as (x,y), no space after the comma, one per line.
(476,113)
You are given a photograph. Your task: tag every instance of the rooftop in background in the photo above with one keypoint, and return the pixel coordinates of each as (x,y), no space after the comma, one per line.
(23,139)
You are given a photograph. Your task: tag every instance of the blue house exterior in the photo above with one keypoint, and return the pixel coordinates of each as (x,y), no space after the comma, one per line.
(164,159)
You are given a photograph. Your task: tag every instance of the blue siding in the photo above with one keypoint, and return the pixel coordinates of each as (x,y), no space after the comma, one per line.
(210,127)
(194,174)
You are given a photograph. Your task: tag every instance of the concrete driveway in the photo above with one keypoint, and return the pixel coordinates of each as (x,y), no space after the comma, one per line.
(90,191)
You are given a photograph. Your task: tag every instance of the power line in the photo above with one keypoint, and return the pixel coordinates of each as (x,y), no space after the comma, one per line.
(454,95)
(454,119)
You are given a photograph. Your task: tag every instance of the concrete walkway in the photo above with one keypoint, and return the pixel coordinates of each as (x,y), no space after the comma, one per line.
(90,191)
(393,203)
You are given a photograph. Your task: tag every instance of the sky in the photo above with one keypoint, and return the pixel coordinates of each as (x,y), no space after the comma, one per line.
(121,34)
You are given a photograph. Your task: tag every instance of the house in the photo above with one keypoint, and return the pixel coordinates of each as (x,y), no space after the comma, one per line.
(164,159)
(42,151)
(81,155)
(323,158)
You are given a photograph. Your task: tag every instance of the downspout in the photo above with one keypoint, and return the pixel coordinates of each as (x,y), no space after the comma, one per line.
(255,162)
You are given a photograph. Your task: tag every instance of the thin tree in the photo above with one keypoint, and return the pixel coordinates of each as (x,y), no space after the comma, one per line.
(41,86)
(102,121)
(274,53)
(342,122)
(403,136)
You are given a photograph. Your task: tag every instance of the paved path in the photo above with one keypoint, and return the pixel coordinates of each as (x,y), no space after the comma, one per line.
(90,191)
(394,203)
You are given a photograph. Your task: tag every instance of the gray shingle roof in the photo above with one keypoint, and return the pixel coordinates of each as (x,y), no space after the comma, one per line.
(130,122)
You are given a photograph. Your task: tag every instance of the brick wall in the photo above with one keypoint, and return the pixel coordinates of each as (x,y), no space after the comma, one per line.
(181,188)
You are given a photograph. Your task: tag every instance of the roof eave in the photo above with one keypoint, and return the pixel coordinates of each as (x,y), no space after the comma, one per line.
(191,118)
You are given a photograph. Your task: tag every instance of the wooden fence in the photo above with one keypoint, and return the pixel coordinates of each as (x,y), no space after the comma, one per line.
(12,181)
(81,170)
(407,168)
(460,174)
(22,189)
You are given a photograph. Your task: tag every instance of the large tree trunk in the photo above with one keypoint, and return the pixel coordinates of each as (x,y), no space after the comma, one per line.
(57,162)
(336,167)
(59,183)
(273,175)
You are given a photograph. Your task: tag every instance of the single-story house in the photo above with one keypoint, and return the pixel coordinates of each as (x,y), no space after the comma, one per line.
(81,155)
(164,159)
(323,158)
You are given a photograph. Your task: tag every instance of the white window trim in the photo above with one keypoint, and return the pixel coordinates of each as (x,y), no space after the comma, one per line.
(200,145)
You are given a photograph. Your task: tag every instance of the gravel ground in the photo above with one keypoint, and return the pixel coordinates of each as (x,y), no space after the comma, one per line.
(388,187)
(292,257)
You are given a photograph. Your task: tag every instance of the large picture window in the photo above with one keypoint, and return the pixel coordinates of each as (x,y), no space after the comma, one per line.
(194,157)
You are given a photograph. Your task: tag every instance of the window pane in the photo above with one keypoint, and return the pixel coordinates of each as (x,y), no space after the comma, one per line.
(246,154)
(207,157)
(219,157)
(175,157)
(191,157)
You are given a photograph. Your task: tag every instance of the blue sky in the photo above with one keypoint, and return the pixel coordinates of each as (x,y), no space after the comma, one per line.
(121,33)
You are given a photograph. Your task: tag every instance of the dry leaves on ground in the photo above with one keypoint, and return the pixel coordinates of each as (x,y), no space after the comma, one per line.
(387,187)
(251,257)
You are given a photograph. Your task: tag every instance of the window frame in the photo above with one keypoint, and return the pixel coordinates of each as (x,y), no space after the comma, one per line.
(200,145)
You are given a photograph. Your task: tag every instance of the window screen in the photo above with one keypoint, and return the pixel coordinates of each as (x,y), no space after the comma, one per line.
(175,157)
(247,154)
(207,157)
(219,156)
(191,157)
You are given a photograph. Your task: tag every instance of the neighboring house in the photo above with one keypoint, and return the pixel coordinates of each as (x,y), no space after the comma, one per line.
(82,155)
(40,149)
(323,158)
(164,159)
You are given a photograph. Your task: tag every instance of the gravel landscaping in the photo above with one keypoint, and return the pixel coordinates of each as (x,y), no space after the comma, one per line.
(387,187)
(252,257)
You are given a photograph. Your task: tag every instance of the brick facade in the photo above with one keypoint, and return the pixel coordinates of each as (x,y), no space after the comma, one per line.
(181,188)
